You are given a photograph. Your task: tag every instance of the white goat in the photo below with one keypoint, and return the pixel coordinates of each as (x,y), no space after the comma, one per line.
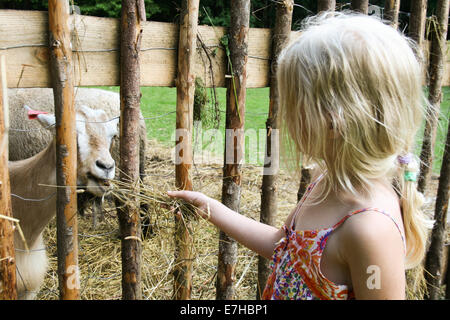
(26,138)
(31,178)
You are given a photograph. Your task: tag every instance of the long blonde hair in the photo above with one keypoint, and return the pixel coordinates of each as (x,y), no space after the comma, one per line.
(351,102)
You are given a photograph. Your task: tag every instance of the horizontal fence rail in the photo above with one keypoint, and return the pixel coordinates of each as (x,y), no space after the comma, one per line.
(96,51)
(95,41)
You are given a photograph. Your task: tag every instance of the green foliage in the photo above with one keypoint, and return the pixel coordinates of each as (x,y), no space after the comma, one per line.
(202,110)
(24,4)
(112,8)
(211,12)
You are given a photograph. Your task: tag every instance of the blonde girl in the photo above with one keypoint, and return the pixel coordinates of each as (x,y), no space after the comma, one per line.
(351,103)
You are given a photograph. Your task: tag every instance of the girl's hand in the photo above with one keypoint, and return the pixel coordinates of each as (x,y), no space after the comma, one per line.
(197,199)
(255,235)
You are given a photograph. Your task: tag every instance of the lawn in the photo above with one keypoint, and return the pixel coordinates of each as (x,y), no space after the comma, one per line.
(158,106)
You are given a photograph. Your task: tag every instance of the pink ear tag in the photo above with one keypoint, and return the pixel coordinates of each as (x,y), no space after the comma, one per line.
(32,114)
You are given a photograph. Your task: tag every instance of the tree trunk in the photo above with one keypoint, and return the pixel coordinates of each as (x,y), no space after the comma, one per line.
(66,148)
(418,15)
(8,290)
(184,123)
(326,5)
(436,72)
(433,261)
(280,39)
(360,6)
(234,140)
(133,13)
(391,9)
(447,274)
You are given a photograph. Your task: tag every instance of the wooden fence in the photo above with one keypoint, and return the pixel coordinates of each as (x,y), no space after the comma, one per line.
(24,36)
(95,53)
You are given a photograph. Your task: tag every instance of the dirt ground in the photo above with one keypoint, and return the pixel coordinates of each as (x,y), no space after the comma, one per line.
(99,247)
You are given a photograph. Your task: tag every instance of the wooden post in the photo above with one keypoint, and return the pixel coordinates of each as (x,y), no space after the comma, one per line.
(438,53)
(305,180)
(326,5)
(8,290)
(234,140)
(280,38)
(360,6)
(447,273)
(391,10)
(133,13)
(417,18)
(433,260)
(184,123)
(66,148)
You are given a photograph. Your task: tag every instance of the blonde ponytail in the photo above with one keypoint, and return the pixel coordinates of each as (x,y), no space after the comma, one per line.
(415,222)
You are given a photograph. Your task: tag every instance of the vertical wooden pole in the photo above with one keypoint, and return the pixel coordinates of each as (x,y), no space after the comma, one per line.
(234,141)
(417,18)
(133,13)
(8,290)
(305,175)
(305,180)
(391,10)
(433,260)
(438,53)
(184,123)
(66,148)
(326,5)
(447,274)
(360,6)
(280,39)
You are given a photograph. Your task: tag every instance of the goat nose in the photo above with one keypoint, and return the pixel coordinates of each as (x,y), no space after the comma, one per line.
(104,166)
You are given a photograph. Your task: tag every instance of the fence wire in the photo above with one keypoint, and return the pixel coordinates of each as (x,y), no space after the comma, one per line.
(110,237)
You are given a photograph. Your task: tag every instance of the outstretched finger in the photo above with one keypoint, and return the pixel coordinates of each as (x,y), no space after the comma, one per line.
(179,194)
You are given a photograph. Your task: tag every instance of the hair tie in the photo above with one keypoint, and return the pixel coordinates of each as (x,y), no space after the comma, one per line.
(406,159)
(411,169)
(410,176)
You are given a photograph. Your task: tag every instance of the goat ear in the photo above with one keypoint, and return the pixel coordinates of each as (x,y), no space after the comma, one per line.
(46,120)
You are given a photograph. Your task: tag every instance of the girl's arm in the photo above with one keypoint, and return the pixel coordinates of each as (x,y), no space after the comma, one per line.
(258,237)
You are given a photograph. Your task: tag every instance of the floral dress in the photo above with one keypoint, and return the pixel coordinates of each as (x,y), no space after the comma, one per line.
(295,265)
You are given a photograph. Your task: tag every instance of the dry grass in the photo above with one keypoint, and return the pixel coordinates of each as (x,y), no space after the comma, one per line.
(99,248)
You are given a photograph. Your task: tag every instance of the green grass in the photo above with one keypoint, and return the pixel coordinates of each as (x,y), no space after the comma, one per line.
(159,104)
(441,132)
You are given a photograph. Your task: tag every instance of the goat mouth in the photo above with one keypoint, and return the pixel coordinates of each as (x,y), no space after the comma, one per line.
(102,183)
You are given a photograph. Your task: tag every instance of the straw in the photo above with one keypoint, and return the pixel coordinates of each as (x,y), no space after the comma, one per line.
(99,248)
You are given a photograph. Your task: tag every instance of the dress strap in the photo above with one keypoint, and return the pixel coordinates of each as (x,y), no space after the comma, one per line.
(302,200)
(372,209)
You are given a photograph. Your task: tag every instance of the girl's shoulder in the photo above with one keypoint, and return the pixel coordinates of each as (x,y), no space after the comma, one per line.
(373,231)
(376,222)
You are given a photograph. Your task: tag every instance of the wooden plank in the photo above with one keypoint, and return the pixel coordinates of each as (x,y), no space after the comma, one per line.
(96,43)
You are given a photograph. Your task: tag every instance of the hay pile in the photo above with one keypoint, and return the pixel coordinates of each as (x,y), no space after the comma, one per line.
(99,248)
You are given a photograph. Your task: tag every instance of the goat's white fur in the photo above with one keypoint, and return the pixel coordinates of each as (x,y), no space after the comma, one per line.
(31,178)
